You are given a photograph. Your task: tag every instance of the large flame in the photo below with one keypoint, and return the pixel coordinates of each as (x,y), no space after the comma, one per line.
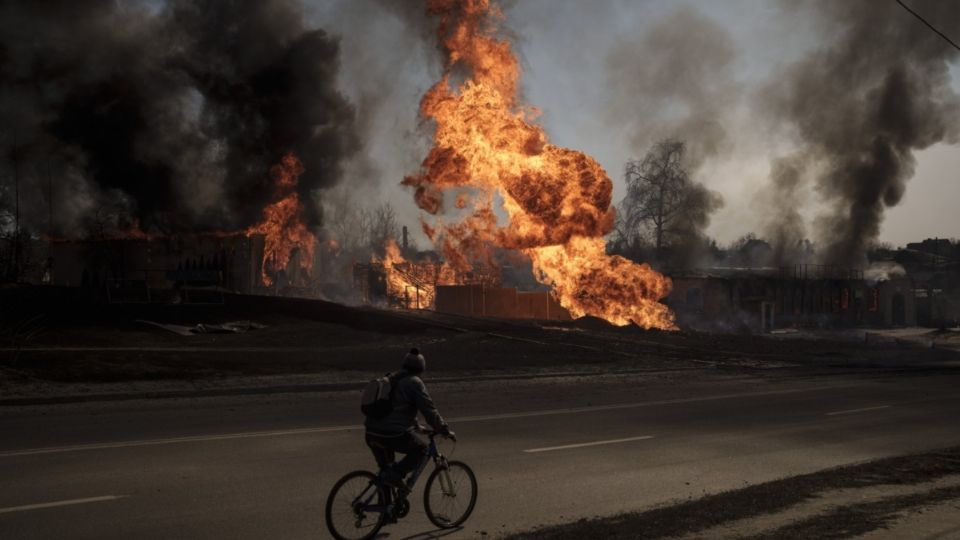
(489,151)
(412,285)
(282,225)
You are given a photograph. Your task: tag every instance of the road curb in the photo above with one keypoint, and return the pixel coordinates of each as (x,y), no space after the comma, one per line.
(299,388)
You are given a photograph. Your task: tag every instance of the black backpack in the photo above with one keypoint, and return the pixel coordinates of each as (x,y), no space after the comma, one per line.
(377,399)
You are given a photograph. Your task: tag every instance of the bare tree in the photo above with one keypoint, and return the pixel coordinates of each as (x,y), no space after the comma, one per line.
(384,226)
(348,224)
(662,204)
(357,228)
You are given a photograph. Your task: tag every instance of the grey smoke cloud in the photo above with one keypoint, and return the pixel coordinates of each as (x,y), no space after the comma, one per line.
(674,79)
(390,60)
(860,107)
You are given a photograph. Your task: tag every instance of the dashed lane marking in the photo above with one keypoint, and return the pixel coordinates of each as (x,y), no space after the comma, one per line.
(584,445)
(333,429)
(854,411)
(172,440)
(68,502)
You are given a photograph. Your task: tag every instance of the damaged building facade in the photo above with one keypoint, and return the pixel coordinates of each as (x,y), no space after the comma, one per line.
(161,269)
(719,299)
(803,296)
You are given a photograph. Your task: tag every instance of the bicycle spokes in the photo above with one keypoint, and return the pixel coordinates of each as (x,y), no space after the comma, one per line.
(363,500)
(450,494)
(356,507)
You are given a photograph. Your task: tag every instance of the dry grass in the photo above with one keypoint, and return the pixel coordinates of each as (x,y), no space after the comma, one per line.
(771,497)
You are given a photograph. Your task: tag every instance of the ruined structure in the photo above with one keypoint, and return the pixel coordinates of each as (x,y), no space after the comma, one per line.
(804,296)
(166,269)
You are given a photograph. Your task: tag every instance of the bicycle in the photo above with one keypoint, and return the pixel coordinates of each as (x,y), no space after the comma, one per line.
(365,501)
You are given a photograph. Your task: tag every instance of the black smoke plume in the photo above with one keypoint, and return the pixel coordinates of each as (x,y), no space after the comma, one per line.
(174,111)
(860,106)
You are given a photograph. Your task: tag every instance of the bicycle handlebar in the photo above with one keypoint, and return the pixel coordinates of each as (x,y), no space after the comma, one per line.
(433,433)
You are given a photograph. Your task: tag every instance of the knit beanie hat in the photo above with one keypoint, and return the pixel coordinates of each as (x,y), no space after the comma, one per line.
(414,362)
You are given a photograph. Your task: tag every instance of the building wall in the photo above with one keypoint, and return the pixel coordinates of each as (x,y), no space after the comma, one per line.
(500,302)
(897,303)
(230,261)
(725,303)
(540,305)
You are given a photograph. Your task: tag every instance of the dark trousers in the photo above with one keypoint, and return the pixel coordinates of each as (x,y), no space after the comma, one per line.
(385,448)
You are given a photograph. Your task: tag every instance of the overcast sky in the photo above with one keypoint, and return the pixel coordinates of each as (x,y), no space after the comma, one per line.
(566,49)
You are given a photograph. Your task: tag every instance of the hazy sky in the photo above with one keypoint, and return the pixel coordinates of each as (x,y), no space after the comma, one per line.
(565,48)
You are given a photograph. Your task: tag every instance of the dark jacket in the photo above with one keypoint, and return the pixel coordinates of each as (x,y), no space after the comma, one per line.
(410,396)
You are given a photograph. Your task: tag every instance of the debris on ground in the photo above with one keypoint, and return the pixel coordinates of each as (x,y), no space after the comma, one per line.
(234,327)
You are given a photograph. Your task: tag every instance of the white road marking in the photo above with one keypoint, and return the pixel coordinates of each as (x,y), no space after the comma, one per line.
(596,408)
(853,411)
(172,440)
(302,431)
(160,349)
(68,502)
(582,445)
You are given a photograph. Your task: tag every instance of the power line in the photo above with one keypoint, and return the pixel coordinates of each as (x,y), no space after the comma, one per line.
(924,21)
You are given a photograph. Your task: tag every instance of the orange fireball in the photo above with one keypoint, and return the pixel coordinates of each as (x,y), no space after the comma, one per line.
(556,200)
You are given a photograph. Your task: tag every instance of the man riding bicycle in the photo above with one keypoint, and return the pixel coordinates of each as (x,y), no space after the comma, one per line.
(362,502)
(395,432)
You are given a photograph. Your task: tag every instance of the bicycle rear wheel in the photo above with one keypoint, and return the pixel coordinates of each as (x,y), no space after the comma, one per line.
(450,495)
(356,507)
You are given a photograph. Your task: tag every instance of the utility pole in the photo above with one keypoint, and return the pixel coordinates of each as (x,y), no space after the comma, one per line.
(16,227)
(49,204)
(48,267)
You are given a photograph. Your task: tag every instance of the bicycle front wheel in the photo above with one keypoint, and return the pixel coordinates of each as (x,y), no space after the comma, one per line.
(450,495)
(356,507)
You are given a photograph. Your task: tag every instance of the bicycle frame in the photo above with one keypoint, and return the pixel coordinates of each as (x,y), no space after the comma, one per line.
(433,453)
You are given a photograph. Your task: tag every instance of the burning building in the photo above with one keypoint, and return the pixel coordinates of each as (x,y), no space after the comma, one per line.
(274,256)
(166,268)
(414,284)
(431,284)
(171,114)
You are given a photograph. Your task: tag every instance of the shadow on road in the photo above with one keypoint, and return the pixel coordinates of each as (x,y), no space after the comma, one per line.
(436,533)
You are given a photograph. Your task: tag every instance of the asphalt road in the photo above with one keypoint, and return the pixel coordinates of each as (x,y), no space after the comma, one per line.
(544,451)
